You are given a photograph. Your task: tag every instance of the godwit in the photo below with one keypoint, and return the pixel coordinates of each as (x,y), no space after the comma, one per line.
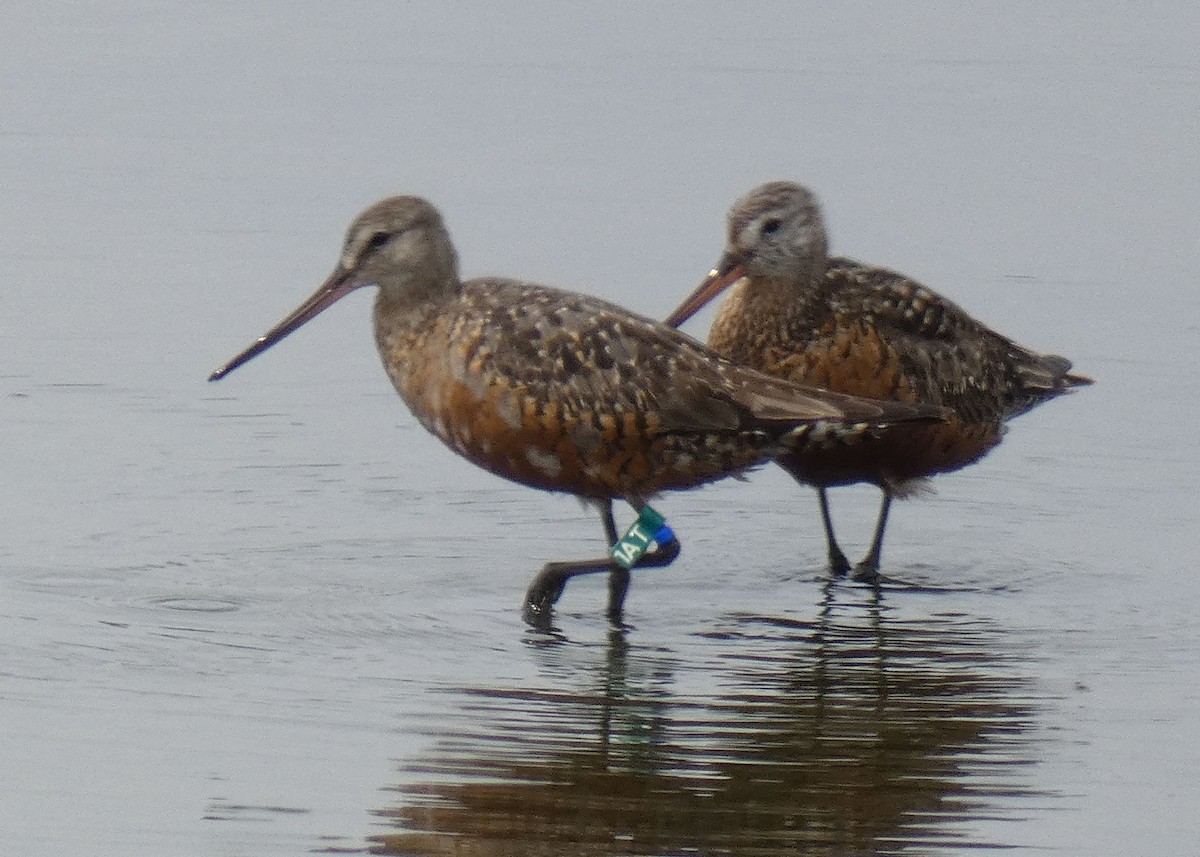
(795,313)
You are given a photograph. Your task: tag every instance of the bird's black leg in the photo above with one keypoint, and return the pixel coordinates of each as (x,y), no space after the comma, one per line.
(868,570)
(549,583)
(663,554)
(838,564)
(610,525)
(618,576)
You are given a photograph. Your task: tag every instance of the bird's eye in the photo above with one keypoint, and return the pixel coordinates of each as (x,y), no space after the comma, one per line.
(376,241)
(771,226)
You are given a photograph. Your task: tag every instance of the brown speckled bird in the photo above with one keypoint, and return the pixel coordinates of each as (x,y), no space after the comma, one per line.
(795,313)
(566,392)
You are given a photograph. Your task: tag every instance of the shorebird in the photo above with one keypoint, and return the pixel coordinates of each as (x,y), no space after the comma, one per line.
(796,313)
(565,392)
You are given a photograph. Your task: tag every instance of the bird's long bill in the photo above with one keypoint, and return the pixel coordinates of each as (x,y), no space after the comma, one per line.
(336,287)
(728,271)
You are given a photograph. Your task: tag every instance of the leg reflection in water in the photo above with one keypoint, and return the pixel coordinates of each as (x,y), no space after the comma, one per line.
(854,731)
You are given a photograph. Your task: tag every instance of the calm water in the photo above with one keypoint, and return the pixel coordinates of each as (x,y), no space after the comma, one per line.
(273,616)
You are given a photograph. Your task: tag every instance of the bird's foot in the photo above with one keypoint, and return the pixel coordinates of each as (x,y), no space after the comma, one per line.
(618,586)
(545,589)
(838,564)
(866,573)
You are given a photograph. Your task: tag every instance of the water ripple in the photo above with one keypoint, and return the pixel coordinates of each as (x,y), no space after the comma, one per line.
(848,732)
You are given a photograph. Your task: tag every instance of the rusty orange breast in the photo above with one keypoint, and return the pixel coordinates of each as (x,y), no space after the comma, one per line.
(513,422)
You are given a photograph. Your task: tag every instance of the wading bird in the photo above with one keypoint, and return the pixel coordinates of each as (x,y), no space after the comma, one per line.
(795,313)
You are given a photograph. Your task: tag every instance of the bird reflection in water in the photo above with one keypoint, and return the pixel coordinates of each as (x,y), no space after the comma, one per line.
(851,732)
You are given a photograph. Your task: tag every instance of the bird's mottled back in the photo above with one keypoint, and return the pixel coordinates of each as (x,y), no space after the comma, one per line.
(947,356)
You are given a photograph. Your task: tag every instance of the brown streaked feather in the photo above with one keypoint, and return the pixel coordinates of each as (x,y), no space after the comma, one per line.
(871,332)
(868,331)
(568,392)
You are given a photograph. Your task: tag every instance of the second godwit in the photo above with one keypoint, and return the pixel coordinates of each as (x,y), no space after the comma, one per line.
(566,392)
(795,313)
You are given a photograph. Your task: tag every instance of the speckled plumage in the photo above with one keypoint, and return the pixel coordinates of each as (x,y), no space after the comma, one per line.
(565,392)
(562,391)
(795,313)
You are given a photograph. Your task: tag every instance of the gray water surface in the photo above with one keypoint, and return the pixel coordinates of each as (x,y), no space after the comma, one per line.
(274,616)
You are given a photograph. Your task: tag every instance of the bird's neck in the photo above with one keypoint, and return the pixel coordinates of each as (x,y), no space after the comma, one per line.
(410,303)
(760,312)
